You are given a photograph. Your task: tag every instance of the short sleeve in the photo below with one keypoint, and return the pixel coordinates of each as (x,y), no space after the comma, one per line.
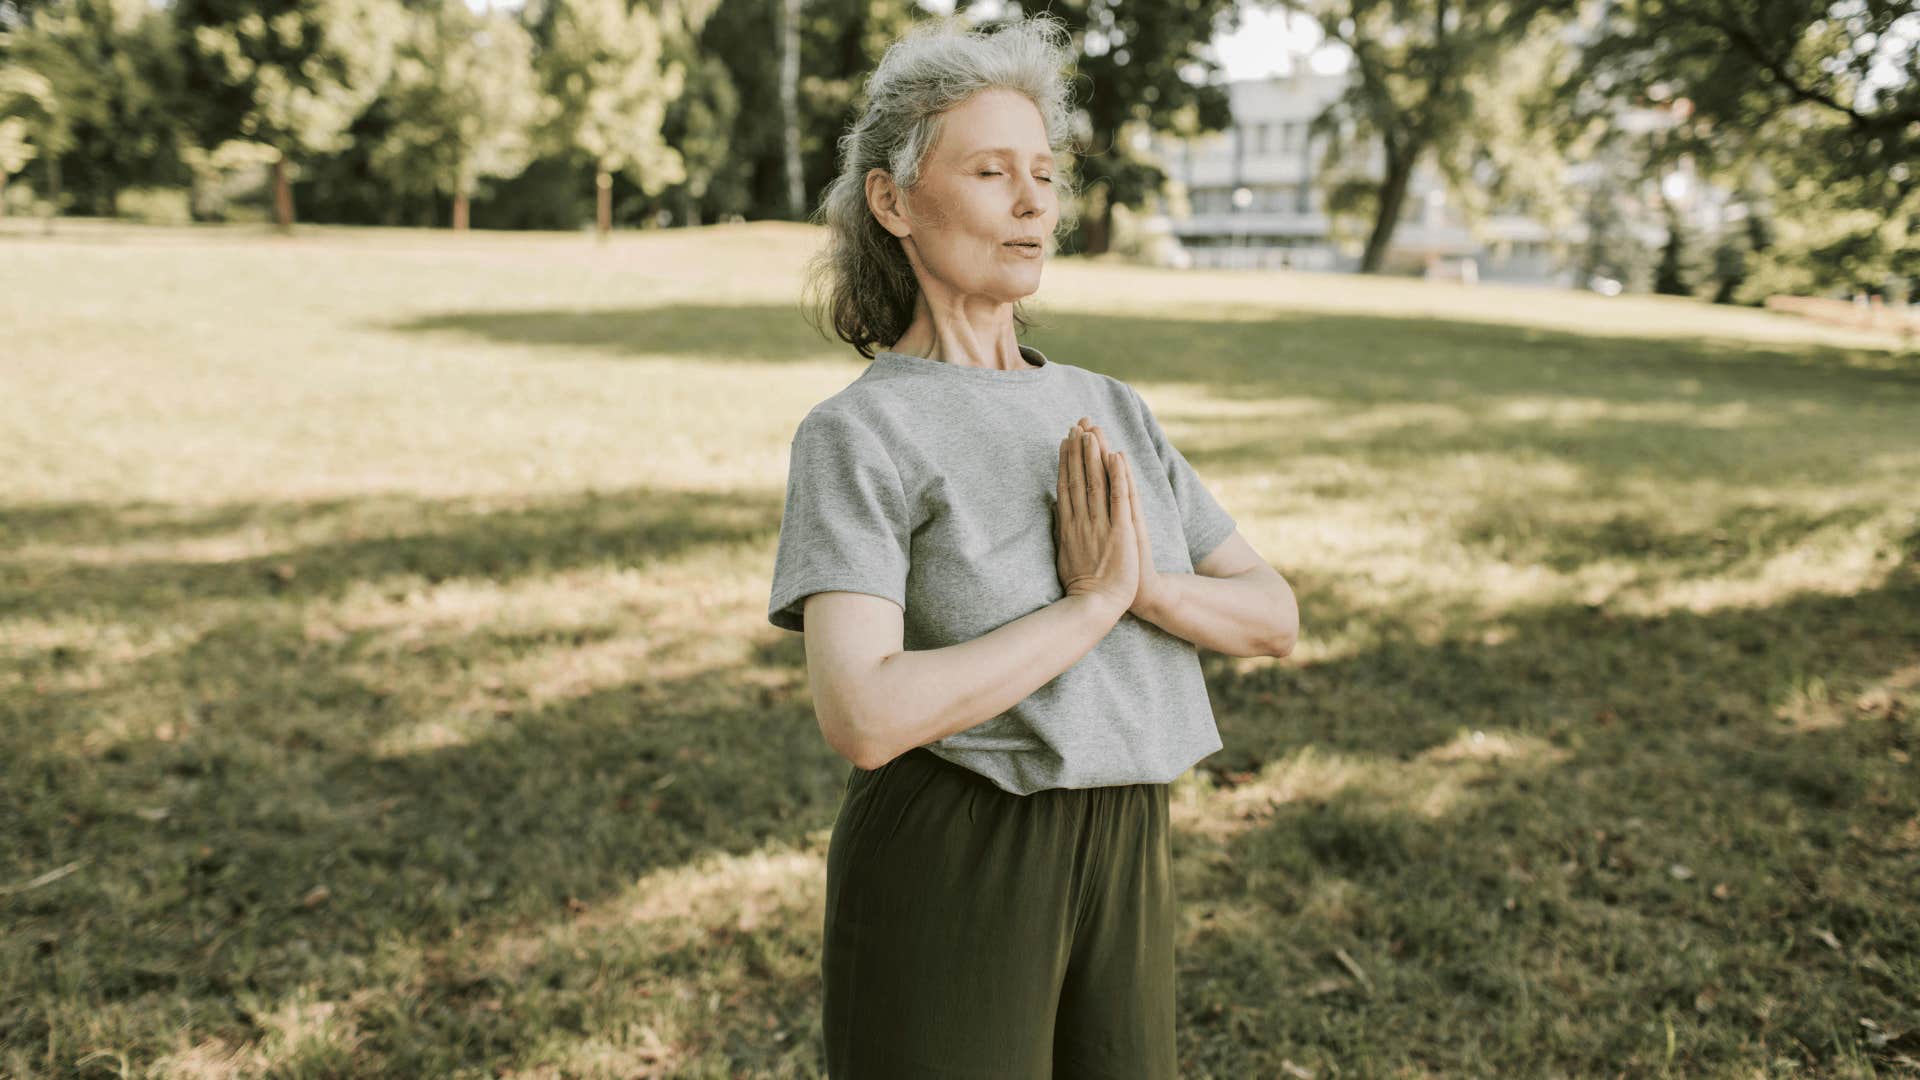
(1205,522)
(845,525)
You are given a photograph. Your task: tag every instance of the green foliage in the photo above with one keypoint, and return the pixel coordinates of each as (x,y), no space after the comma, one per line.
(16,148)
(1837,236)
(109,75)
(300,70)
(608,84)
(214,172)
(1460,83)
(35,74)
(463,101)
(156,206)
(30,117)
(1810,109)
(698,123)
(840,42)
(1678,269)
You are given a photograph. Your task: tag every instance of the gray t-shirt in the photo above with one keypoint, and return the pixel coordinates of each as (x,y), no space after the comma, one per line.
(933,485)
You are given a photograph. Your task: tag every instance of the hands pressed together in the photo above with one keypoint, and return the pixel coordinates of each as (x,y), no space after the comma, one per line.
(1100,532)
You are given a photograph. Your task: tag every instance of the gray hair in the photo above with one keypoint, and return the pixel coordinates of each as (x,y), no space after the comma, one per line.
(868,284)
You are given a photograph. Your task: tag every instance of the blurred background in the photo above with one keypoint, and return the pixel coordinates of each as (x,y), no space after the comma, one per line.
(395,413)
(1729,149)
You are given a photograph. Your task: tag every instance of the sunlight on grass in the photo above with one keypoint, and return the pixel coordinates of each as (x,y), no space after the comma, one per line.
(714,908)
(1573,412)
(1214,294)
(387,690)
(1808,704)
(247,544)
(1840,564)
(1431,785)
(683,622)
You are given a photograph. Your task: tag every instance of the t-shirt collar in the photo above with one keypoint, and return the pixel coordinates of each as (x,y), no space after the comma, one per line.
(943,369)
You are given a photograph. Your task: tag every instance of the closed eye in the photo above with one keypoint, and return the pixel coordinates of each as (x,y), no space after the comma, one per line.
(1042,179)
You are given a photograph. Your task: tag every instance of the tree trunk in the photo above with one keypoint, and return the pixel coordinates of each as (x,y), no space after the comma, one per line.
(790,105)
(1670,278)
(53,192)
(1099,230)
(3,194)
(1596,233)
(1393,193)
(603,217)
(460,211)
(282,194)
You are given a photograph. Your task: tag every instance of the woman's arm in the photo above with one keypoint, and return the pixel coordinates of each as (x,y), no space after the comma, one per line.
(875,700)
(1235,603)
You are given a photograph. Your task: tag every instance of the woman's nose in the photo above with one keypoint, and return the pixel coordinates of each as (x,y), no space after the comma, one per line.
(1030,204)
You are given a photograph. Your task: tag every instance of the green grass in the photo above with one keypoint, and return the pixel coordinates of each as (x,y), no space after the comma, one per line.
(385,685)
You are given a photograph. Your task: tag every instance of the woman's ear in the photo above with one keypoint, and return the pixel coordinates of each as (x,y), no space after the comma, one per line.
(883,198)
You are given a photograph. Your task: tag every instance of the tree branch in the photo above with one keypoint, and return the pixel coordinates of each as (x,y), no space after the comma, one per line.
(1744,40)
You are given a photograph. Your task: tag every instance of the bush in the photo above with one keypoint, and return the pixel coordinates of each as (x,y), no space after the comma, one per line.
(156,206)
(19,200)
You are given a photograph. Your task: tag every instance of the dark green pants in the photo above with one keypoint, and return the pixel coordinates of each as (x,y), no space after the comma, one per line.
(974,934)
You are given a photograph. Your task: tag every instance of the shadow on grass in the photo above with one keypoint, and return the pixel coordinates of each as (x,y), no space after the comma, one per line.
(436,540)
(1248,351)
(199,850)
(1734,793)
(1623,407)
(1745,534)
(270,788)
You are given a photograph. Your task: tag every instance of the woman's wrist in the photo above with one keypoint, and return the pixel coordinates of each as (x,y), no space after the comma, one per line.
(1098,608)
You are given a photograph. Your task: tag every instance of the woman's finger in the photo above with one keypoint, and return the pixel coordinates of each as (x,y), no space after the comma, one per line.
(1122,497)
(1096,481)
(1060,494)
(1075,491)
(1140,534)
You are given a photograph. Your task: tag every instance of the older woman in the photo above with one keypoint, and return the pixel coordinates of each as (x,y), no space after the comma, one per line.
(1001,635)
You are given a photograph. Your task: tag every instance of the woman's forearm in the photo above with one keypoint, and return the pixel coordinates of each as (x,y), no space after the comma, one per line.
(915,697)
(1250,614)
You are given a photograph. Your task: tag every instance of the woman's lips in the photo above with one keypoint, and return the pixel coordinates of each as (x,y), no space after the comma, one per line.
(1031,251)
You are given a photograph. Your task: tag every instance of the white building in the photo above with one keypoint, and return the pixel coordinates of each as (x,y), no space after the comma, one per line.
(1247,197)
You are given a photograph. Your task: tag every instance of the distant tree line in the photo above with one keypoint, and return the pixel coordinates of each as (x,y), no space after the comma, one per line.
(1807,110)
(558,113)
(546,115)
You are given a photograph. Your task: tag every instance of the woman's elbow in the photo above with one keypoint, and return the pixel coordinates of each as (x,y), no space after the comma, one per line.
(1279,645)
(1285,634)
(845,738)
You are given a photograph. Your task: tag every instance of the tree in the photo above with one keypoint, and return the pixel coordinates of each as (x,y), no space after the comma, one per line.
(697,125)
(464,102)
(112,70)
(42,123)
(1429,78)
(1808,106)
(608,84)
(840,42)
(289,74)
(29,121)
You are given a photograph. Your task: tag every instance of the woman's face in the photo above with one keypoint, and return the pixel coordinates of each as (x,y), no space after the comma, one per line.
(985,188)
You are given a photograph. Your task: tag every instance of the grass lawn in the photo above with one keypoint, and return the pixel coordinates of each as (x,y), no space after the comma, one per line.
(386,688)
